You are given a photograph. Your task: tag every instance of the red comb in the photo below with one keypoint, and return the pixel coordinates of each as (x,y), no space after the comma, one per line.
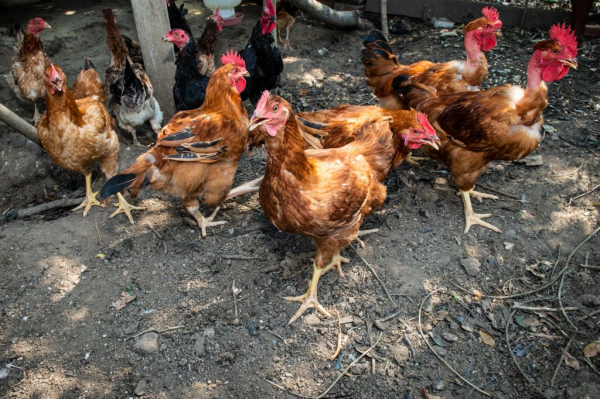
(491,14)
(270,8)
(232,57)
(422,118)
(566,37)
(261,106)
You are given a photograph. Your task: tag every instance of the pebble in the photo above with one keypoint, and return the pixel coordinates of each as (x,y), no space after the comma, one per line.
(441,351)
(439,385)
(209,332)
(312,320)
(472,266)
(382,325)
(147,343)
(140,388)
(252,329)
(510,234)
(199,346)
(401,353)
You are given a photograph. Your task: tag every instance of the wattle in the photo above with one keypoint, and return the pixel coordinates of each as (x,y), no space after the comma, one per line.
(240,85)
(488,42)
(554,72)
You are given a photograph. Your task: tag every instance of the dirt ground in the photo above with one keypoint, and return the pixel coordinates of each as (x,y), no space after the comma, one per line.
(61,335)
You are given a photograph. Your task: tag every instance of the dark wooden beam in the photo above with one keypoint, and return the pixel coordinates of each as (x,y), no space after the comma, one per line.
(466,11)
(152,22)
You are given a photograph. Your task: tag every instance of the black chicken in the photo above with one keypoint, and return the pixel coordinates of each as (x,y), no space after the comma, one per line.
(190,84)
(177,17)
(262,57)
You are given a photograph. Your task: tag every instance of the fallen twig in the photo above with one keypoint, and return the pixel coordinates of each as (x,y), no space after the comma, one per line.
(376,276)
(594,313)
(499,192)
(286,390)
(349,367)
(562,358)
(98,230)
(543,287)
(512,355)
(582,195)
(339,338)
(273,333)
(234,299)
(295,274)
(437,355)
(559,297)
(159,332)
(239,257)
(410,345)
(541,309)
(34,210)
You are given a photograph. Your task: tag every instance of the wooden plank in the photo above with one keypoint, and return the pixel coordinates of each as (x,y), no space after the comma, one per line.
(152,22)
(465,11)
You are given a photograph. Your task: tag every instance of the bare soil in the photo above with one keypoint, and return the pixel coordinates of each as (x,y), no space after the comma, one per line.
(61,335)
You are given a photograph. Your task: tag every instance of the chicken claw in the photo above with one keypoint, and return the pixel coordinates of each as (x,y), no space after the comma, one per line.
(203,222)
(124,207)
(479,196)
(248,187)
(471,217)
(309,299)
(90,197)
(337,263)
(413,160)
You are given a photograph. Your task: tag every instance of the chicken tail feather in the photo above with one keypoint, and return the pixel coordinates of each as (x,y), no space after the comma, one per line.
(87,64)
(135,178)
(116,184)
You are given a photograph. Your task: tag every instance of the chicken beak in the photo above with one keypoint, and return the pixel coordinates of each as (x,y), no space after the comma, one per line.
(164,39)
(572,63)
(256,121)
(246,73)
(432,141)
(47,26)
(498,32)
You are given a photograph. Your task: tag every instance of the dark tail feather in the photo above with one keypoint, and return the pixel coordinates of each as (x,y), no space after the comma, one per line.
(310,124)
(116,184)
(88,64)
(398,83)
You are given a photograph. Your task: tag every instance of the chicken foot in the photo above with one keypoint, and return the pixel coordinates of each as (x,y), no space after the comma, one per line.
(248,187)
(413,160)
(203,222)
(364,233)
(309,299)
(133,133)
(90,197)
(124,207)
(287,38)
(36,115)
(471,217)
(479,196)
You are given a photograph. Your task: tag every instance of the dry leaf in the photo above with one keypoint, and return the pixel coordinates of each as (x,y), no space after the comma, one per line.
(487,338)
(592,349)
(571,361)
(124,300)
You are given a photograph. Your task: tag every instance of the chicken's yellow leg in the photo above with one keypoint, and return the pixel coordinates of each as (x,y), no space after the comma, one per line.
(471,217)
(309,299)
(90,197)
(203,222)
(412,160)
(124,207)
(479,196)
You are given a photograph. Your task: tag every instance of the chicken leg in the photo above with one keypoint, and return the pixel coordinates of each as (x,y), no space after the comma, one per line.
(471,217)
(248,187)
(309,299)
(124,207)
(36,115)
(203,222)
(479,196)
(90,197)
(287,38)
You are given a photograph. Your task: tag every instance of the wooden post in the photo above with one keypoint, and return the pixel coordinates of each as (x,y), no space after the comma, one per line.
(16,122)
(152,23)
(384,20)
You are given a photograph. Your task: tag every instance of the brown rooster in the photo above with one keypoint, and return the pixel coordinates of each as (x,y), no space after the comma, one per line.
(128,89)
(321,194)
(207,44)
(77,131)
(382,66)
(197,152)
(501,123)
(28,65)
(286,17)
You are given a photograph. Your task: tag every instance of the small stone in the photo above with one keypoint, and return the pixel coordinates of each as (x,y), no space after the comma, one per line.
(140,388)
(199,346)
(471,265)
(276,359)
(508,246)
(312,320)
(401,353)
(441,351)
(209,332)
(236,322)
(382,325)
(439,385)
(183,362)
(147,343)
(510,234)
(252,330)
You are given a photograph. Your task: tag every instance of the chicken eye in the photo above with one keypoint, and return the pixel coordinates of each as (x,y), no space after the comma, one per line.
(487,26)
(554,51)
(235,71)
(275,108)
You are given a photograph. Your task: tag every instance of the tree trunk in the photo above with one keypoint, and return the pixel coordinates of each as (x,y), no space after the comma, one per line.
(322,13)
